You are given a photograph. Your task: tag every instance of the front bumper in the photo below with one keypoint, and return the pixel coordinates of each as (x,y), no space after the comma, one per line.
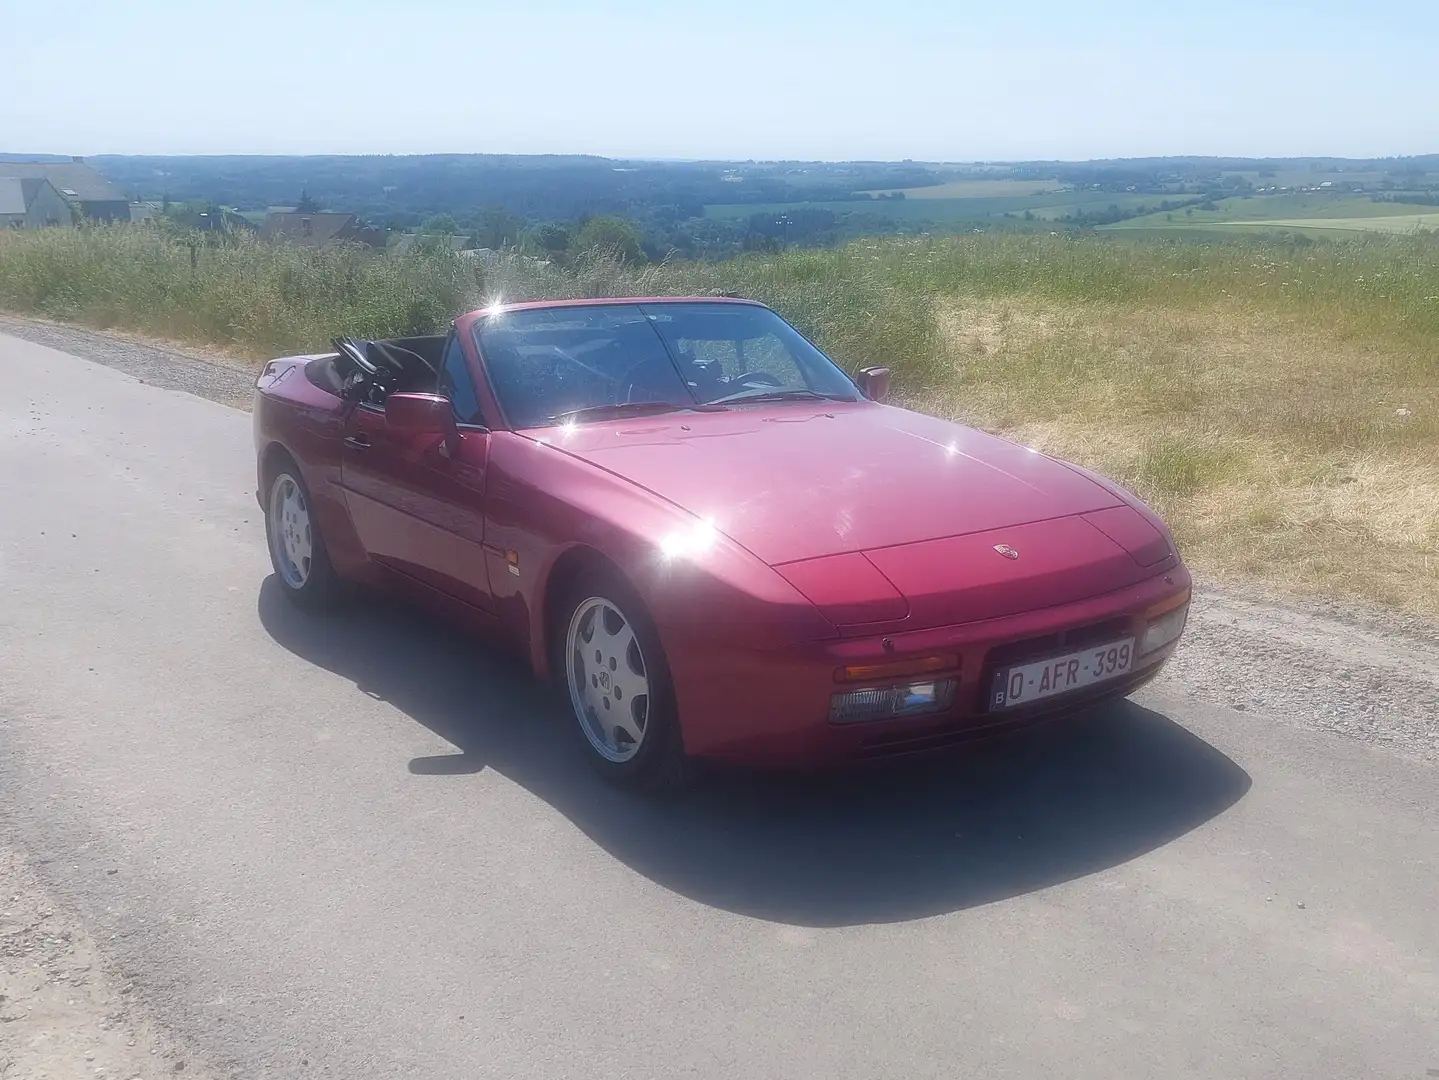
(773,708)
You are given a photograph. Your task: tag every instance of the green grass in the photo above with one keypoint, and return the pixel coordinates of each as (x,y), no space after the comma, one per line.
(1091,201)
(1277,401)
(1387,223)
(1180,466)
(258,297)
(1047,206)
(1306,210)
(977,189)
(251,297)
(1298,178)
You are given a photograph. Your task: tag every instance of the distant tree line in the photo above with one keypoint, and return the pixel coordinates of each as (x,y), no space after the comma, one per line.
(554,206)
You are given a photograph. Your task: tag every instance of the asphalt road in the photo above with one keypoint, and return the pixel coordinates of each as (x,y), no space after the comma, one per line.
(361,847)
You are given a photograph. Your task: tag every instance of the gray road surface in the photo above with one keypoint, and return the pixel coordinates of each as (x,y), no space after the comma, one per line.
(361,847)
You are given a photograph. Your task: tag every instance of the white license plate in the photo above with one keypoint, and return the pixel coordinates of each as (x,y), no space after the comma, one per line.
(1023,683)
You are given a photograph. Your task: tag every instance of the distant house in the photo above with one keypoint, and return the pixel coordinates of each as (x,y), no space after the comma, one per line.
(318,229)
(410,242)
(31,203)
(212,219)
(79,184)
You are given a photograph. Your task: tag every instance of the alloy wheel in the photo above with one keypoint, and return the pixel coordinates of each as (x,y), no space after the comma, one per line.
(291,539)
(608,679)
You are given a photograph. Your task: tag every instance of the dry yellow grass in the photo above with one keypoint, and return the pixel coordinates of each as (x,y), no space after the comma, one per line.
(1278,449)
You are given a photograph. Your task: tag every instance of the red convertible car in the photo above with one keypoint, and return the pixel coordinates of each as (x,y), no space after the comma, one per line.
(725,546)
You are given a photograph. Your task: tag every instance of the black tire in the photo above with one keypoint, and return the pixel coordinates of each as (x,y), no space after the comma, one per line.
(660,763)
(320,588)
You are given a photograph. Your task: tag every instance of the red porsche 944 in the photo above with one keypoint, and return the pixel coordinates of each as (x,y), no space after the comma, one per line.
(723,545)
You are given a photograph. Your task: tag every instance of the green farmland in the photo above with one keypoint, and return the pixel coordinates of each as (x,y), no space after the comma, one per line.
(1311,211)
(976,189)
(1044,206)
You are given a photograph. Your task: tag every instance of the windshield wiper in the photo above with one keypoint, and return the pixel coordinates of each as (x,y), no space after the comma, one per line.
(781,395)
(630,408)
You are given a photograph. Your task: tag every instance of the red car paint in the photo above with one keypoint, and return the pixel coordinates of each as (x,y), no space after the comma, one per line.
(771,544)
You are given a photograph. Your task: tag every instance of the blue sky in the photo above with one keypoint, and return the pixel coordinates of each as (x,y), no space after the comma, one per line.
(888,79)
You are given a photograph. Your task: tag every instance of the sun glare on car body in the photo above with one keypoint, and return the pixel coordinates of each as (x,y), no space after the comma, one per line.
(688,543)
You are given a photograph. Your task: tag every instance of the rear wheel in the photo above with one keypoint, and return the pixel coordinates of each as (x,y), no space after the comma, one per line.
(297,552)
(619,687)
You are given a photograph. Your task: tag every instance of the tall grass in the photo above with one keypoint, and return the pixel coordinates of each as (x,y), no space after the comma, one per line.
(1278,401)
(868,302)
(248,296)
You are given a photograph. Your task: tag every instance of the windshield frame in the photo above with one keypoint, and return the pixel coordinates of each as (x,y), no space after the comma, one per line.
(648,308)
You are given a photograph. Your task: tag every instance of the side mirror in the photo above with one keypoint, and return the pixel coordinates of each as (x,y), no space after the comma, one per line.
(873,382)
(422,414)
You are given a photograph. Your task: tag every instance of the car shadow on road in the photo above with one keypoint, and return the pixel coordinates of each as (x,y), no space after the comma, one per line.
(904,842)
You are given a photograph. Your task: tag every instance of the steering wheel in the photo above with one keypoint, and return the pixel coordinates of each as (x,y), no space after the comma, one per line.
(764,378)
(356,355)
(626,382)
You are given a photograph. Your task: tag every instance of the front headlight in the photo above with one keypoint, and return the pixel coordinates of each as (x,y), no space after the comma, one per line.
(891,702)
(1166,623)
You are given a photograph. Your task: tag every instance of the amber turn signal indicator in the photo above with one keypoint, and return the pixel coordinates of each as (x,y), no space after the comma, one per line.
(1167,604)
(919,665)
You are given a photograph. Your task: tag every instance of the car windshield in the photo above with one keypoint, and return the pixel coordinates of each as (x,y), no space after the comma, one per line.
(598,362)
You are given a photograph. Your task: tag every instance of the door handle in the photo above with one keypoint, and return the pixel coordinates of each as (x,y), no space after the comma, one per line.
(357,442)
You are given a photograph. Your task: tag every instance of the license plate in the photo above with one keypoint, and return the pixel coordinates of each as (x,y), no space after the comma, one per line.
(1023,683)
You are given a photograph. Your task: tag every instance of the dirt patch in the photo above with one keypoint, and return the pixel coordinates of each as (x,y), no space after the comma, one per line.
(63,1015)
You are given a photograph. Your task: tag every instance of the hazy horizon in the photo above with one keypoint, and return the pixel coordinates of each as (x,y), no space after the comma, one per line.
(805,81)
(17,155)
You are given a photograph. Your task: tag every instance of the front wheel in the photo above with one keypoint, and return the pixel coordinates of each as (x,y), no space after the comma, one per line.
(296,550)
(619,688)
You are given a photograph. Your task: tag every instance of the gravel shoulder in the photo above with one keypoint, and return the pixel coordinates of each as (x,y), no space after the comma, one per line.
(63,1014)
(1368,675)
(213,375)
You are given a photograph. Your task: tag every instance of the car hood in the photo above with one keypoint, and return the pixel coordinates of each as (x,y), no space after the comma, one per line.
(793,482)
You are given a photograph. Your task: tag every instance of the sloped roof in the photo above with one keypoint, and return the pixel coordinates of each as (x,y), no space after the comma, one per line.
(323,225)
(12,195)
(16,194)
(73,179)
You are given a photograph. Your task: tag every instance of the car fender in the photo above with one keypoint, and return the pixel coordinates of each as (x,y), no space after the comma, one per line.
(293,416)
(1130,499)
(545,507)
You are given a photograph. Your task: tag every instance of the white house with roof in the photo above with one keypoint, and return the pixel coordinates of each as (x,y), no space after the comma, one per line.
(31,203)
(81,186)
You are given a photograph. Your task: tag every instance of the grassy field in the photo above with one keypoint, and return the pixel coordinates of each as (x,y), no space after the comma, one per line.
(1389,223)
(977,189)
(1077,202)
(1303,211)
(979,210)
(1298,178)
(1278,403)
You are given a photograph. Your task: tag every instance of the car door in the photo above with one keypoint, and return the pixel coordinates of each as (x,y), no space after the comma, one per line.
(417,503)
